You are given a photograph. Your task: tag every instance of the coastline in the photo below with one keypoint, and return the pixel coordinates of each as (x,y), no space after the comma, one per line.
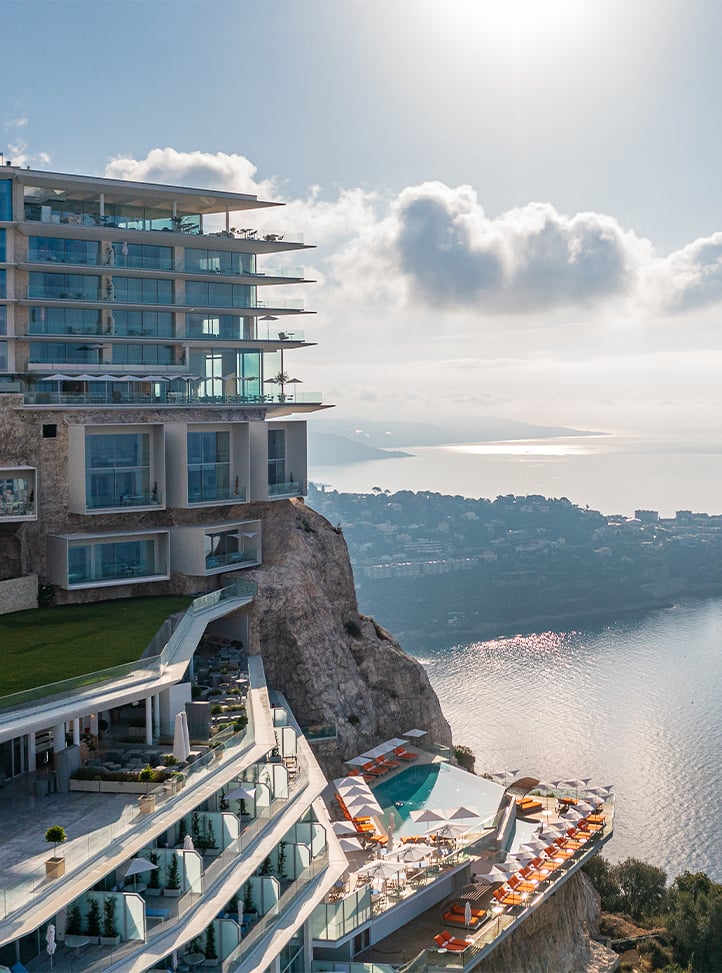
(415,641)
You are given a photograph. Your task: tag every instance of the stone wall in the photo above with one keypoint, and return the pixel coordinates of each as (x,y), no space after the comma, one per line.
(18,594)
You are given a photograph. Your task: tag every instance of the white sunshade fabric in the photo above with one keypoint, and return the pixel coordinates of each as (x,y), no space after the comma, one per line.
(357,761)
(343,828)
(395,742)
(415,733)
(241,794)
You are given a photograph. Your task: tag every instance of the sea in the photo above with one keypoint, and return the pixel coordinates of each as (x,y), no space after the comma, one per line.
(636,703)
(611,473)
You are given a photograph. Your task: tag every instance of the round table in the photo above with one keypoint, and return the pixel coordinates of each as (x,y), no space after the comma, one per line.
(76,943)
(194,959)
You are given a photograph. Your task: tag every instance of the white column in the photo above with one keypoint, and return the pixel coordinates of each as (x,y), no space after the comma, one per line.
(76,731)
(32,763)
(94,724)
(59,737)
(149,721)
(156,715)
(102,205)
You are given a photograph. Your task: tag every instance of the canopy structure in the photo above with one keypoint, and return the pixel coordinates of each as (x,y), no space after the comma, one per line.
(415,733)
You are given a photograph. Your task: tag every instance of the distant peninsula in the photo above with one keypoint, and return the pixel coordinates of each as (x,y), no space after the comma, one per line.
(437,569)
(338,442)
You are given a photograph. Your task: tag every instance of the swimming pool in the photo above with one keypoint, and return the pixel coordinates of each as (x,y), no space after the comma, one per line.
(436,785)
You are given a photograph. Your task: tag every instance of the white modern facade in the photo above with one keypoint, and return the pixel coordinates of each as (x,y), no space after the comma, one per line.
(145,348)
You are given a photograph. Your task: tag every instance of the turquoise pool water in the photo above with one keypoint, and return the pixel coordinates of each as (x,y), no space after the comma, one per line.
(437,786)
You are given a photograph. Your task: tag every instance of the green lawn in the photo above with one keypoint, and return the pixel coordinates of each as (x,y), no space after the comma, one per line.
(48,644)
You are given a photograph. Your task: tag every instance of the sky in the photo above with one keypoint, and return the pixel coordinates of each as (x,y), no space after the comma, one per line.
(515,206)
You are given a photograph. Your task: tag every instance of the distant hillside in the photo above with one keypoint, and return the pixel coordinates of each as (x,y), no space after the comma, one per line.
(331,449)
(385,435)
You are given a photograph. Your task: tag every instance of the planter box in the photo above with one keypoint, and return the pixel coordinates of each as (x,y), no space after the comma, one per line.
(114,786)
(153,893)
(172,893)
(54,867)
(110,940)
(147,803)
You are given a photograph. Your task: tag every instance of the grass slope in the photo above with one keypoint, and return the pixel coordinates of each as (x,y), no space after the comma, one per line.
(48,644)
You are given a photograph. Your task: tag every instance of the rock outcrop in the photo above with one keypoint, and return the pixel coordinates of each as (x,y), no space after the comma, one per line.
(557,937)
(333,665)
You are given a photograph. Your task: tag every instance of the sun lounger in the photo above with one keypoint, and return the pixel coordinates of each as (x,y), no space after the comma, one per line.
(405,754)
(528,805)
(451,942)
(461,909)
(447,944)
(457,919)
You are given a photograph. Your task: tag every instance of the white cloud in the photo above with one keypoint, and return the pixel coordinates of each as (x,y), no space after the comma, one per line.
(427,305)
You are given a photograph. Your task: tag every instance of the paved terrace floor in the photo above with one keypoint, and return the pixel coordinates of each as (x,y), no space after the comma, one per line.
(26,817)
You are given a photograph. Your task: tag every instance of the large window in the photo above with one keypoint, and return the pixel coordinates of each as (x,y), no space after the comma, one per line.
(55,287)
(136,290)
(117,471)
(3,251)
(276,457)
(65,320)
(229,326)
(6,199)
(157,324)
(219,295)
(208,467)
(42,353)
(112,561)
(52,249)
(139,255)
(233,546)
(219,262)
(137,354)
(3,283)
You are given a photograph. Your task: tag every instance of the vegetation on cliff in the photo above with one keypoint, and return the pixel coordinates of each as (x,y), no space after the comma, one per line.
(680,926)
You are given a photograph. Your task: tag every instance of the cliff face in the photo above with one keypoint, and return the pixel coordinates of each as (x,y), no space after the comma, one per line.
(557,937)
(333,665)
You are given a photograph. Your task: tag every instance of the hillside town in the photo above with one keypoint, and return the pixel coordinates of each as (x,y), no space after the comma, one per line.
(432,567)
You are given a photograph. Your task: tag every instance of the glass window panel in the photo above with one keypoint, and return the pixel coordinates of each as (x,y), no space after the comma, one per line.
(6,199)
(3,319)
(3,283)
(2,247)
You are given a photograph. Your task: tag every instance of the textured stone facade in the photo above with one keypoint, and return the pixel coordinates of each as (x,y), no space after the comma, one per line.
(18,594)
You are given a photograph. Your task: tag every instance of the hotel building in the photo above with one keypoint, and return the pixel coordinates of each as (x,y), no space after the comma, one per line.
(148,419)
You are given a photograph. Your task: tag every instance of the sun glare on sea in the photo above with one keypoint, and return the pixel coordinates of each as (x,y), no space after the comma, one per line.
(522,447)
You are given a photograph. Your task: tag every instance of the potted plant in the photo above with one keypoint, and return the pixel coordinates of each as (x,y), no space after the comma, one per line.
(282,859)
(74,922)
(55,866)
(211,845)
(153,888)
(172,885)
(109,933)
(92,922)
(249,906)
(210,949)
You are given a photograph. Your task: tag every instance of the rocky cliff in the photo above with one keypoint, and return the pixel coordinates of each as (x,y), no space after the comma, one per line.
(557,937)
(333,665)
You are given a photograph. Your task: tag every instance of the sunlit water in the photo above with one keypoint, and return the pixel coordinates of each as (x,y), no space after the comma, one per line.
(636,704)
(609,473)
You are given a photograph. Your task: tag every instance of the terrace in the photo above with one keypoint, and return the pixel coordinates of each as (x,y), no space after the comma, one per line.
(409,889)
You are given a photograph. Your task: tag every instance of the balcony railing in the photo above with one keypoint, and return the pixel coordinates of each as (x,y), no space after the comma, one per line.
(98,398)
(292,489)
(233,560)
